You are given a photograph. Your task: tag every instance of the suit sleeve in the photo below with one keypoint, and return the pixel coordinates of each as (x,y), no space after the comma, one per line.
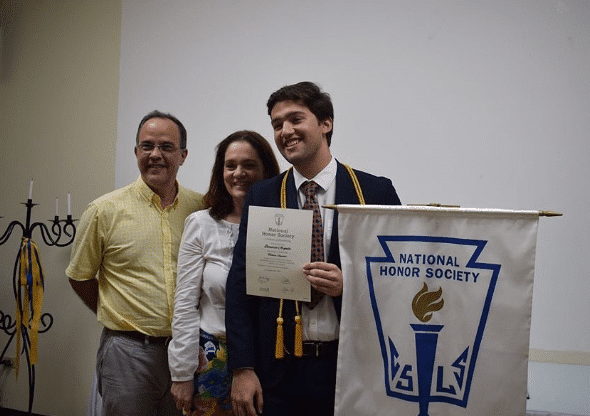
(239,307)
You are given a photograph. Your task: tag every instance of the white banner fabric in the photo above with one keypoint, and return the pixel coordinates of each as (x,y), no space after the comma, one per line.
(436,311)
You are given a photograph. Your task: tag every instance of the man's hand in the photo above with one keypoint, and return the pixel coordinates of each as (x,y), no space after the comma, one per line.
(325,277)
(182,392)
(246,393)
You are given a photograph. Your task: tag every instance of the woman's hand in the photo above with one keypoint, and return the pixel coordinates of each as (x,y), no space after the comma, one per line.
(182,392)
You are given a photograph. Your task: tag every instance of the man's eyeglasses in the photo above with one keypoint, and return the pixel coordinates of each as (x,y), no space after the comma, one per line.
(149,147)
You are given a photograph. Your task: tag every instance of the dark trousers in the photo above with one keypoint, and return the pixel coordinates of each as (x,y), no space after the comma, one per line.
(306,389)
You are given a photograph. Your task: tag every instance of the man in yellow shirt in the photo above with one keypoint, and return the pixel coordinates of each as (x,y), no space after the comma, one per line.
(123,267)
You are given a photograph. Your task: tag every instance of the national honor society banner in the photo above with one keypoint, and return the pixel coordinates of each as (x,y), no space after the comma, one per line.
(436,310)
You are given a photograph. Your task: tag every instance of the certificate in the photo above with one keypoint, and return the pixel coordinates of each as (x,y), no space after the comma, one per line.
(278,244)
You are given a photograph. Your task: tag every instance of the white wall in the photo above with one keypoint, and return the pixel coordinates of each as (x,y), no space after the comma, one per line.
(476,103)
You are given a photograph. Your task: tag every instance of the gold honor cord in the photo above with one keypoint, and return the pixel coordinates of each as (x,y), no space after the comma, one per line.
(280,343)
(298,347)
(357,185)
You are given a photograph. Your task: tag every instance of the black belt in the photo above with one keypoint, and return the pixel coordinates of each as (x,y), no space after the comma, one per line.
(146,339)
(319,348)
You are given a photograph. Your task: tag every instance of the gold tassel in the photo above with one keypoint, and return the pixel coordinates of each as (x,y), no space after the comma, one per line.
(298,349)
(279,346)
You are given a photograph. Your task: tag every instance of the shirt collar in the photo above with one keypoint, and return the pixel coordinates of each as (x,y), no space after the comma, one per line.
(324,178)
(151,196)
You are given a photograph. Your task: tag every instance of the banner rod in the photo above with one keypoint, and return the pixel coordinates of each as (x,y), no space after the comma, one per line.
(434,204)
(549,214)
(541,213)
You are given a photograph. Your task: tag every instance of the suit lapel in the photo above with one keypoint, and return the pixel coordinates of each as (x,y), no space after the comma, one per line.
(291,191)
(345,194)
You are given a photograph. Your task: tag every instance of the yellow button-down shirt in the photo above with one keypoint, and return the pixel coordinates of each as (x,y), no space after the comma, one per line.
(130,244)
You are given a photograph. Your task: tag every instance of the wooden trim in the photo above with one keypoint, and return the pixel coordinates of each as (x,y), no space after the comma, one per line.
(560,357)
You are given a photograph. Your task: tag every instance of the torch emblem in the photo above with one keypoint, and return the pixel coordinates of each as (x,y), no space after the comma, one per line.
(430,343)
(423,305)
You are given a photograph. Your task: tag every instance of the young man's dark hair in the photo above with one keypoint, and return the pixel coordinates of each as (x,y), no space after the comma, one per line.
(308,94)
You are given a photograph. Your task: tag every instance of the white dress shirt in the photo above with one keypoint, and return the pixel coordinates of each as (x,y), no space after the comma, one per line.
(321,323)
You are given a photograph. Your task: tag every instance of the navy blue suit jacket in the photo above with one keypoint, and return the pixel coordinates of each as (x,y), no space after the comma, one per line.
(251,320)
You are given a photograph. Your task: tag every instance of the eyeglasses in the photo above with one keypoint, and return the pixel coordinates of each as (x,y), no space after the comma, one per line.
(149,147)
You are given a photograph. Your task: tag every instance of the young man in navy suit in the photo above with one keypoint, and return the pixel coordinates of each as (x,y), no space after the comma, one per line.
(301,116)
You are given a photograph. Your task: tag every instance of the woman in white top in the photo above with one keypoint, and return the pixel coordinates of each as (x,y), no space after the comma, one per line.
(197,351)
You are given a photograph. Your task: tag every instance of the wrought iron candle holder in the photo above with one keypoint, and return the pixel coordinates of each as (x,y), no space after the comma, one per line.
(22,329)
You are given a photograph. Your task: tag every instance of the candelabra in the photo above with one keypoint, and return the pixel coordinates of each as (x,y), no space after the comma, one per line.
(27,285)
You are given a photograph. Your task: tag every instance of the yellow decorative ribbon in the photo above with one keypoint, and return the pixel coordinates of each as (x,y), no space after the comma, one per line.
(298,348)
(29,299)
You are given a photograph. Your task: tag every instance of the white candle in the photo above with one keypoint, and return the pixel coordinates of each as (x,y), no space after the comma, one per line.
(69,205)
(31,189)
(57,207)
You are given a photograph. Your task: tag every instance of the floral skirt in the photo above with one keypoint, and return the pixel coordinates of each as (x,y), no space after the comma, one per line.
(213,382)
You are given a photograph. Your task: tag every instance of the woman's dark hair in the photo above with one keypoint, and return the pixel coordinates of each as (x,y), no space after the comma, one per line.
(217,198)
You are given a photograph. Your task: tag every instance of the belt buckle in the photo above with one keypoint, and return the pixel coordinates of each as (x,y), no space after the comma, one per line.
(313,348)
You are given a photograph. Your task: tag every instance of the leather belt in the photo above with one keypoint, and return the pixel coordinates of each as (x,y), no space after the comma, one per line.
(319,348)
(136,335)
